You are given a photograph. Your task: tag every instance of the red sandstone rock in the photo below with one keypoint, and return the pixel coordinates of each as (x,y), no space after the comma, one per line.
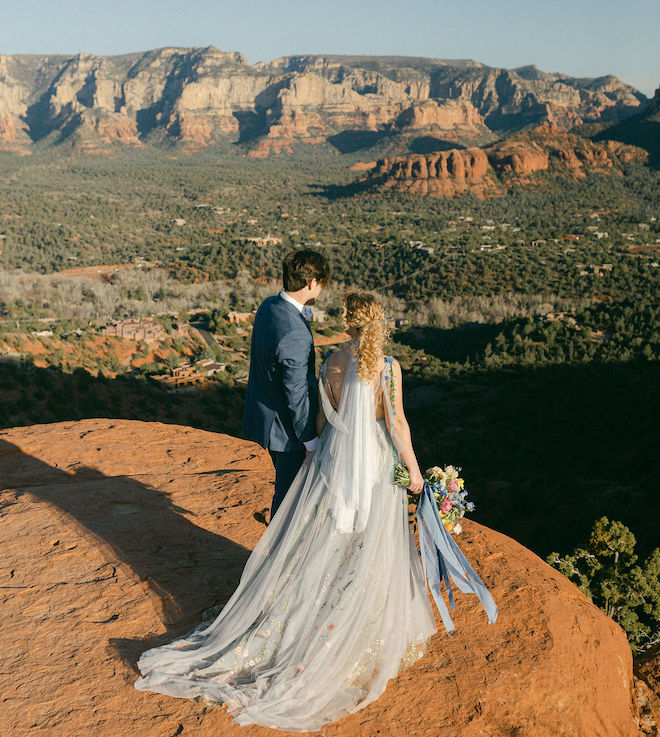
(121,129)
(446,115)
(117,534)
(212,89)
(442,173)
(362,166)
(517,158)
(12,134)
(648,667)
(493,170)
(191,128)
(647,690)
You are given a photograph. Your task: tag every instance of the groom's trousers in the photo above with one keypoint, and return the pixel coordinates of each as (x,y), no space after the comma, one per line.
(287,466)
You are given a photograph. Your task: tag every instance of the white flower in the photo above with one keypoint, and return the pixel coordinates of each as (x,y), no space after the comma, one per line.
(457,529)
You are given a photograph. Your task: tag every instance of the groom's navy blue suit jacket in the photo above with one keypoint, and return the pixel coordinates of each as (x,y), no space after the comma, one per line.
(282,393)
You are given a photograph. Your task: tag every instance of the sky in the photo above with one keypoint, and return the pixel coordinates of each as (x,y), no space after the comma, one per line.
(582,38)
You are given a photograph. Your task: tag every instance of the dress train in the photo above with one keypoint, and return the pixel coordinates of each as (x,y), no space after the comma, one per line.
(332,602)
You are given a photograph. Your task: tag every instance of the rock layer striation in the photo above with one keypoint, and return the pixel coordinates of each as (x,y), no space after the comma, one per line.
(199,96)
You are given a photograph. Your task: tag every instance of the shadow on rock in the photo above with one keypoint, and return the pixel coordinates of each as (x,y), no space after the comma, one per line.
(187,568)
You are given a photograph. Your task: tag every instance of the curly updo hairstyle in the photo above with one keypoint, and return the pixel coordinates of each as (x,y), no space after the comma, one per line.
(365,313)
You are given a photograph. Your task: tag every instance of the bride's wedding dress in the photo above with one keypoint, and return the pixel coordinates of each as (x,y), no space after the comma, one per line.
(332,602)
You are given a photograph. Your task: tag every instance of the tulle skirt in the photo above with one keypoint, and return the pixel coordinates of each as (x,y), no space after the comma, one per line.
(321,619)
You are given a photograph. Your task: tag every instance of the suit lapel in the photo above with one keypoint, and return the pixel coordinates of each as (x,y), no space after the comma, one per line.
(293,308)
(309,327)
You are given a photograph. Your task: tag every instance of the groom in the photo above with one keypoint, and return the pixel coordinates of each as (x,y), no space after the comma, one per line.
(282,393)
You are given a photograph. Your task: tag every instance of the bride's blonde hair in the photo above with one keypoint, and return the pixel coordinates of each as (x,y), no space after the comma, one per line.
(365,313)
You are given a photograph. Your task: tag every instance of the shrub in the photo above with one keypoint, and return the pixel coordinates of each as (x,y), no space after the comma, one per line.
(607,573)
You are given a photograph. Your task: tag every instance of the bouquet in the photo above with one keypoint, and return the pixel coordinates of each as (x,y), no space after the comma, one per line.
(448,490)
(440,508)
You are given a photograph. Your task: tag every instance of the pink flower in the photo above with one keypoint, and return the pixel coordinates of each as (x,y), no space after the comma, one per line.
(453,485)
(445,504)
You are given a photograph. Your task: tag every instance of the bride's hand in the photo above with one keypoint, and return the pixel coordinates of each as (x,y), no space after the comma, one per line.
(416,482)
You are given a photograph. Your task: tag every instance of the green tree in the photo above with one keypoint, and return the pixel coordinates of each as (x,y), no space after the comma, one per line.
(172,361)
(607,573)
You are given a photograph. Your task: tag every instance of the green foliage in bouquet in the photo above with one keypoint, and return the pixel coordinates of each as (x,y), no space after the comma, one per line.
(448,490)
(606,571)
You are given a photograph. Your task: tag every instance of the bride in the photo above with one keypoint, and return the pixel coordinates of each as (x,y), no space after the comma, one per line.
(333,601)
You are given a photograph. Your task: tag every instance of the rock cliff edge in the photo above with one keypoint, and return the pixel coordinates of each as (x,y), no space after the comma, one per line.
(117,534)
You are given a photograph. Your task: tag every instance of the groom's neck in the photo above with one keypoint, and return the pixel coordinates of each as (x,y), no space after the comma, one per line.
(301,296)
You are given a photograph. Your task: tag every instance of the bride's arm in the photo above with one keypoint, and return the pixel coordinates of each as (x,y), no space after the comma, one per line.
(401,430)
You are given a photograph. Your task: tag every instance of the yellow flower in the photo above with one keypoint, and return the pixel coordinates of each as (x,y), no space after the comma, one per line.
(435,473)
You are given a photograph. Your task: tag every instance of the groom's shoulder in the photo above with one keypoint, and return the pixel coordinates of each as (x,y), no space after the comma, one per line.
(270,301)
(275,309)
(275,319)
(268,307)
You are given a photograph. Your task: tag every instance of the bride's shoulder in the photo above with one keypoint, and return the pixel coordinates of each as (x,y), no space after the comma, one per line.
(335,360)
(388,365)
(391,363)
(337,355)
(391,368)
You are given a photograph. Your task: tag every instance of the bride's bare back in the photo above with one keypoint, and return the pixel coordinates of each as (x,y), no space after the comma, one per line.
(335,372)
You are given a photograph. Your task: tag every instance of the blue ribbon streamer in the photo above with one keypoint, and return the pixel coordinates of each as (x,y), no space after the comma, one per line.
(444,561)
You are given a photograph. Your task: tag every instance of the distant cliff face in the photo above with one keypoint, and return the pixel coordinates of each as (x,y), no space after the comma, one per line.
(198,95)
(492,171)
(642,129)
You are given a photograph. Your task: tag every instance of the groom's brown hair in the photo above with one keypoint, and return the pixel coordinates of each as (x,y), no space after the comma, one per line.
(300,267)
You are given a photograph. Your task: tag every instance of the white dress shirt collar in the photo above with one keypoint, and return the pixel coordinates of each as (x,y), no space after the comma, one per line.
(304,310)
